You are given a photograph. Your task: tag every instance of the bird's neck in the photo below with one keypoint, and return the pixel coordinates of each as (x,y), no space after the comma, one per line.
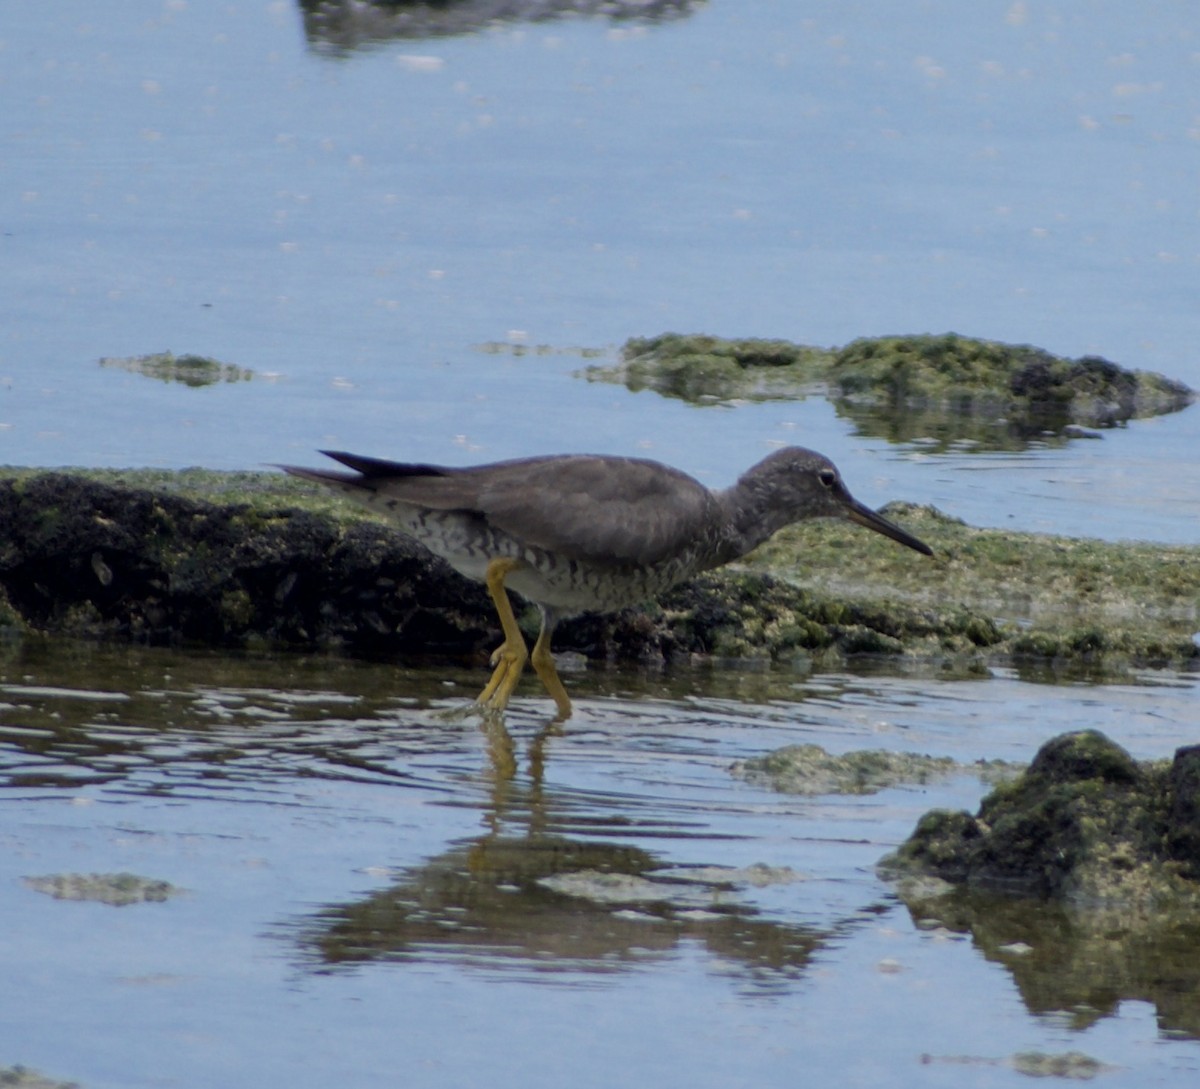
(746,521)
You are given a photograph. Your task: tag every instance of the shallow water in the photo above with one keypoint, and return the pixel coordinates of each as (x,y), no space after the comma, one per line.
(378,888)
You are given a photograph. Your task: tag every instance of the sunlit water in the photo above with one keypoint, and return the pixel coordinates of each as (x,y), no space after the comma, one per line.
(375,885)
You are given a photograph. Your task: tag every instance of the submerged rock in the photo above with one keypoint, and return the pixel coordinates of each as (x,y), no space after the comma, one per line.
(22,1077)
(1068,1064)
(117,889)
(1086,824)
(339,26)
(1074,1065)
(700,368)
(809,769)
(188,370)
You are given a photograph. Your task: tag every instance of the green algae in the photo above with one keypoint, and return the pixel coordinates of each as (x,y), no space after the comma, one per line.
(1033,389)
(187,369)
(1073,1065)
(943,391)
(23,1077)
(117,889)
(1066,1064)
(706,369)
(1019,596)
(809,769)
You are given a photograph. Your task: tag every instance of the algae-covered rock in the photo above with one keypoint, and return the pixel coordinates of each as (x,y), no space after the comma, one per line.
(1069,604)
(1031,391)
(86,557)
(1086,824)
(809,769)
(117,889)
(706,369)
(236,559)
(105,557)
(738,614)
(188,370)
(23,1077)
(339,26)
(942,390)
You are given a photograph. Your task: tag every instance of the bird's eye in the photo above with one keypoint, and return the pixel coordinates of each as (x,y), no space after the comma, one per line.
(827,477)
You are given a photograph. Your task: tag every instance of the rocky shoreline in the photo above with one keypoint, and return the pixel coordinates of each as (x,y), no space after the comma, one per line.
(254,559)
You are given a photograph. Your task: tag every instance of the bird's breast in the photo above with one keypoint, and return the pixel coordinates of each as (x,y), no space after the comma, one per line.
(566,583)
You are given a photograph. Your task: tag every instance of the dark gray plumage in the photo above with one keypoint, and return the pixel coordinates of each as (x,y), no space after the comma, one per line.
(581,533)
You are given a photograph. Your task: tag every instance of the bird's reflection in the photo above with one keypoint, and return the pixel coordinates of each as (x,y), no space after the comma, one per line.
(554,904)
(550,887)
(502,750)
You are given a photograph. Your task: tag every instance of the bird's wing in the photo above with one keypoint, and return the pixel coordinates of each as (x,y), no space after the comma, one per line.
(606,510)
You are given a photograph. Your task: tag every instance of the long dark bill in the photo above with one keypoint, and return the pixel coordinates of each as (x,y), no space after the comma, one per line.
(865,516)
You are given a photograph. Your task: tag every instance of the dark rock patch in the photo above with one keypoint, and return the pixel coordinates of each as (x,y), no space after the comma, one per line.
(1085,824)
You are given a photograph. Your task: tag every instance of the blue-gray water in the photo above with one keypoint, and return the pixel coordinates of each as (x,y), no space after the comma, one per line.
(193,177)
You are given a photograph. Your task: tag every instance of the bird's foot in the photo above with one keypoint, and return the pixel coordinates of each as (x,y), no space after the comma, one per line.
(509,661)
(543,665)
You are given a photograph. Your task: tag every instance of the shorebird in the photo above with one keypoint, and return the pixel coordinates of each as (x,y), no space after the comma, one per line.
(577,533)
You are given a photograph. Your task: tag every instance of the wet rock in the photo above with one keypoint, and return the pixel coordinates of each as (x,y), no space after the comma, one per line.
(699,368)
(1086,824)
(187,370)
(22,1077)
(809,769)
(939,390)
(238,559)
(339,26)
(1183,819)
(117,889)
(94,558)
(84,557)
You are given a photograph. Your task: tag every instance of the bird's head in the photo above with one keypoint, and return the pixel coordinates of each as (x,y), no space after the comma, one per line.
(795,484)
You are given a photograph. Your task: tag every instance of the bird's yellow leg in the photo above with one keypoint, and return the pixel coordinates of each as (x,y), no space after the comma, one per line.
(543,664)
(510,656)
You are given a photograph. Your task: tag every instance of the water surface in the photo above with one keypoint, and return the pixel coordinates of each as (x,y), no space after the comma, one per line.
(197,178)
(377,887)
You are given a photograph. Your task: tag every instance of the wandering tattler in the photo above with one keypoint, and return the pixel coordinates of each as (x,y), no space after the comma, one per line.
(583,533)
